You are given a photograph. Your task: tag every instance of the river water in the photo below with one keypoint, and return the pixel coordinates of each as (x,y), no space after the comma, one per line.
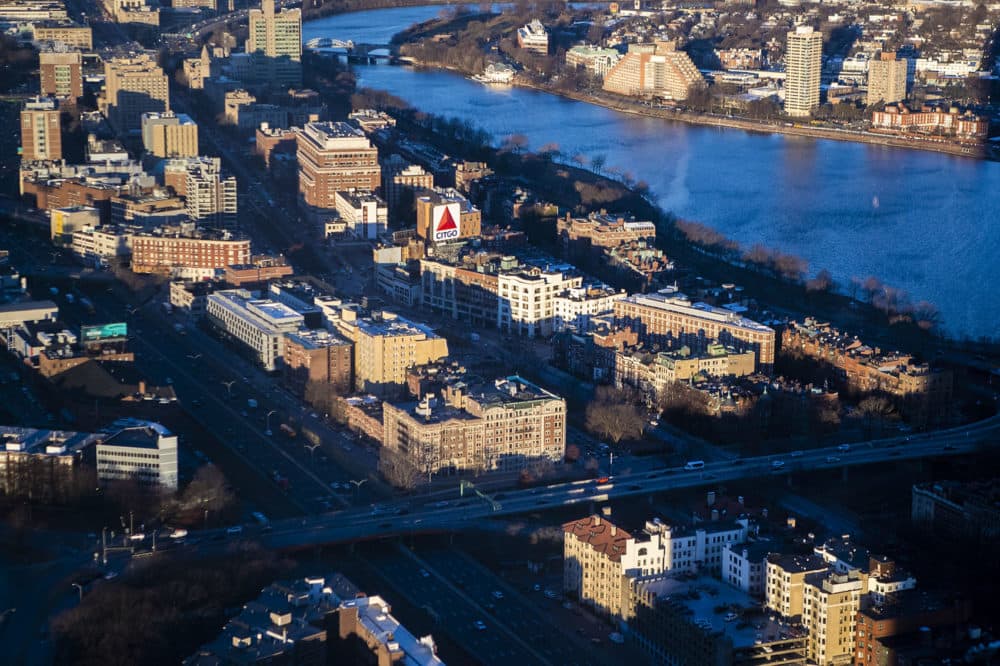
(923,222)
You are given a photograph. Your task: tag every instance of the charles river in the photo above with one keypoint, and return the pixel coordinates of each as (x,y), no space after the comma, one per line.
(923,222)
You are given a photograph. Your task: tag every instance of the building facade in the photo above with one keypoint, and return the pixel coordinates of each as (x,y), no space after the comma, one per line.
(187,253)
(803,66)
(886,79)
(133,85)
(334,157)
(61,74)
(41,131)
(259,324)
(275,42)
(141,451)
(318,357)
(169,134)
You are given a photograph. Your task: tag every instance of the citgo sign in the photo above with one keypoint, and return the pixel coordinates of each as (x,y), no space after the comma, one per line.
(445,222)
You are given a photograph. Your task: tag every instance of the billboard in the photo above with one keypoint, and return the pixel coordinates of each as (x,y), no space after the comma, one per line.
(104,332)
(444,222)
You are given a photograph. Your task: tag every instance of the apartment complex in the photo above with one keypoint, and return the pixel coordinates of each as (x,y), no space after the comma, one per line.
(599,61)
(275,42)
(533,37)
(60,74)
(334,157)
(497,291)
(653,373)
(505,426)
(576,307)
(886,79)
(385,346)
(141,451)
(70,34)
(923,392)
(669,314)
(259,324)
(600,231)
(41,132)
(931,120)
(272,141)
(133,85)
(169,134)
(445,215)
(658,70)
(398,175)
(599,559)
(803,66)
(186,252)
(211,196)
(318,357)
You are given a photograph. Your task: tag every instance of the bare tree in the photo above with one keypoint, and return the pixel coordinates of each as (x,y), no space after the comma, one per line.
(613,416)
(398,470)
(822,282)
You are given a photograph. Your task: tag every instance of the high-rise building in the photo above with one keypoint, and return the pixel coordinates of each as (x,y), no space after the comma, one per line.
(210,196)
(61,74)
(275,42)
(133,85)
(169,135)
(803,65)
(41,135)
(886,79)
(334,157)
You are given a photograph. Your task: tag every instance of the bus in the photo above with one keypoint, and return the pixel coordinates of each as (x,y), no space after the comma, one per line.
(694,464)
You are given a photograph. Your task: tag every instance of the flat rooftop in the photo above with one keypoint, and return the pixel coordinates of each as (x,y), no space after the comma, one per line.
(709,602)
(136,434)
(374,615)
(512,389)
(44,442)
(677,302)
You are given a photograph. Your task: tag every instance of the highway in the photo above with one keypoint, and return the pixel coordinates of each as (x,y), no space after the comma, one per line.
(407,517)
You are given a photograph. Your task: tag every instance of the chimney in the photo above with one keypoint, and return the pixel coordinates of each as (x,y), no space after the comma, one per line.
(715,515)
(597,521)
(614,530)
(606,510)
(740,500)
(142,387)
(791,522)
(711,498)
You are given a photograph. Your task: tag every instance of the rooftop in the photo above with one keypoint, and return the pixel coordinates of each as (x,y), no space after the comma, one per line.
(374,615)
(670,300)
(709,603)
(509,390)
(135,433)
(44,442)
(600,534)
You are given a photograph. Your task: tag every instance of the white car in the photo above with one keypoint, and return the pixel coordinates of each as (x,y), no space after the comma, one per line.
(497,594)
(480,625)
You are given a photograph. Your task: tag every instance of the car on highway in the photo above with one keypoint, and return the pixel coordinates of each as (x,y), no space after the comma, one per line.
(497,594)
(844,448)
(832,459)
(479,625)
(235,529)
(777,464)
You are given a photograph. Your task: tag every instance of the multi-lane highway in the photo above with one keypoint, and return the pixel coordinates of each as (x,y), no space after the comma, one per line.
(441,515)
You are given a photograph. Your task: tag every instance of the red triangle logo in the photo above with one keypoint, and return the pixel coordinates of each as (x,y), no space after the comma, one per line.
(447,222)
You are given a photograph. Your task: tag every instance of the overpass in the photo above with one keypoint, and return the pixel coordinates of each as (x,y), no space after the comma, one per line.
(402,518)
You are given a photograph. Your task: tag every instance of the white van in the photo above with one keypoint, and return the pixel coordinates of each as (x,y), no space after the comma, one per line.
(694,464)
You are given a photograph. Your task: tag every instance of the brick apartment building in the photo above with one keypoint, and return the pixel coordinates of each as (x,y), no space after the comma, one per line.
(318,357)
(334,157)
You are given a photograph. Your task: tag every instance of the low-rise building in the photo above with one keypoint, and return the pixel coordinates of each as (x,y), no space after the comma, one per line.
(398,176)
(444,215)
(39,464)
(970,509)
(318,357)
(190,297)
(505,426)
(259,325)
(365,214)
(187,252)
(72,35)
(595,59)
(64,222)
(931,121)
(576,307)
(141,451)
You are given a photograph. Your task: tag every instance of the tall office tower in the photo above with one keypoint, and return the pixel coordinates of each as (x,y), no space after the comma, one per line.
(133,86)
(334,157)
(41,138)
(886,79)
(275,40)
(803,65)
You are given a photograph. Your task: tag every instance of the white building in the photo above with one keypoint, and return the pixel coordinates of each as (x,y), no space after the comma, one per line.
(257,323)
(98,244)
(526,303)
(141,450)
(667,548)
(366,215)
(577,306)
(803,66)
(744,566)
(534,37)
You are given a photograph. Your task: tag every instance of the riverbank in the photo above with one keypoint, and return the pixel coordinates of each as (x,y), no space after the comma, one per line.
(636,108)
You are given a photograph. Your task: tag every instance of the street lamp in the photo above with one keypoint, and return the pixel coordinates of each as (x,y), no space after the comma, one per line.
(229,387)
(357,487)
(312,450)
(80,589)
(267,420)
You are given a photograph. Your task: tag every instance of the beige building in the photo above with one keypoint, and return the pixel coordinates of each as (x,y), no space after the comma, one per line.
(716,361)
(533,37)
(399,175)
(506,426)
(41,132)
(61,74)
(169,135)
(275,42)
(385,345)
(886,79)
(592,563)
(133,85)
(830,607)
(785,581)
(803,66)
(64,222)
(661,71)
(72,35)
(670,314)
